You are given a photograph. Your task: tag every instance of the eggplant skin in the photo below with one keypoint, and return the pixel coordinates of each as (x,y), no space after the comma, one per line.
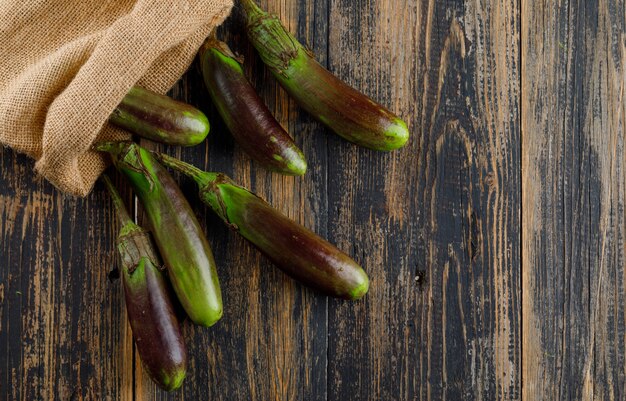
(148,301)
(244,113)
(176,231)
(341,108)
(154,324)
(293,248)
(160,118)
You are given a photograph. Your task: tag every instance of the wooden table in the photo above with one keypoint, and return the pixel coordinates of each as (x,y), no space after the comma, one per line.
(495,241)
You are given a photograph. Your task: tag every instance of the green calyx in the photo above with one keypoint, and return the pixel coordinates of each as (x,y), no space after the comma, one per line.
(133,242)
(114,148)
(134,249)
(211,185)
(128,230)
(226,59)
(222,51)
(136,278)
(207,182)
(227,199)
(135,161)
(137,164)
(211,193)
(279,49)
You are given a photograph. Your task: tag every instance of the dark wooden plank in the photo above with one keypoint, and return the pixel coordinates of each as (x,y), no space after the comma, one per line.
(271,343)
(62,324)
(436,225)
(574,184)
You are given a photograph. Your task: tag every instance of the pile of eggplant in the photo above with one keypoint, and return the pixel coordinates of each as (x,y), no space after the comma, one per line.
(175,260)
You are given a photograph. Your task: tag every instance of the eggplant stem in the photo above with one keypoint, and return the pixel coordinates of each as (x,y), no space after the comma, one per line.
(212,42)
(208,42)
(114,148)
(104,146)
(252,9)
(187,169)
(122,213)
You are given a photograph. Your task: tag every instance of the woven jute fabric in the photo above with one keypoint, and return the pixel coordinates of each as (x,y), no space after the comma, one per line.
(66,64)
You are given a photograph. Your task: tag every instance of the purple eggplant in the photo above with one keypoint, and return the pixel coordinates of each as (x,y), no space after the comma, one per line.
(148,302)
(160,118)
(246,116)
(294,249)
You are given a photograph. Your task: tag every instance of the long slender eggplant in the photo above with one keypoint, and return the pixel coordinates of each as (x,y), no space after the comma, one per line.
(294,249)
(341,108)
(246,116)
(150,311)
(160,118)
(179,237)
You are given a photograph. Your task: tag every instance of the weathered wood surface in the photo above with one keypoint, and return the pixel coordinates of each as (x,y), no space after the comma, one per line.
(574,187)
(62,322)
(494,241)
(437,224)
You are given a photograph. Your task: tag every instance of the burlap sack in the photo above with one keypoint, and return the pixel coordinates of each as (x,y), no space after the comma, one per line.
(66,64)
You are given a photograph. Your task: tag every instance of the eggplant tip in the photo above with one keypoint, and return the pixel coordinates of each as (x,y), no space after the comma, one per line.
(297,166)
(360,290)
(292,162)
(397,135)
(173,382)
(200,135)
(200,128)
(210,318)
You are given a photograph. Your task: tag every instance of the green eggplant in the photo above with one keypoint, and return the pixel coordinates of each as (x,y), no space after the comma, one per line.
(177,233)
(246,116)
(160,118)
(150,310)
(294,249)
(344,110)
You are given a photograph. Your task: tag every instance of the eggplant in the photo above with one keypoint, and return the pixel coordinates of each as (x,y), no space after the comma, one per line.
(178,235)
(294,249)
(151,314)
(160,118)
(341,108)
(244,113)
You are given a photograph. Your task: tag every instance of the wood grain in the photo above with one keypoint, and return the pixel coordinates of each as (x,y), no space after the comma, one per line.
(62,324)
(435,224)
(574,181)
